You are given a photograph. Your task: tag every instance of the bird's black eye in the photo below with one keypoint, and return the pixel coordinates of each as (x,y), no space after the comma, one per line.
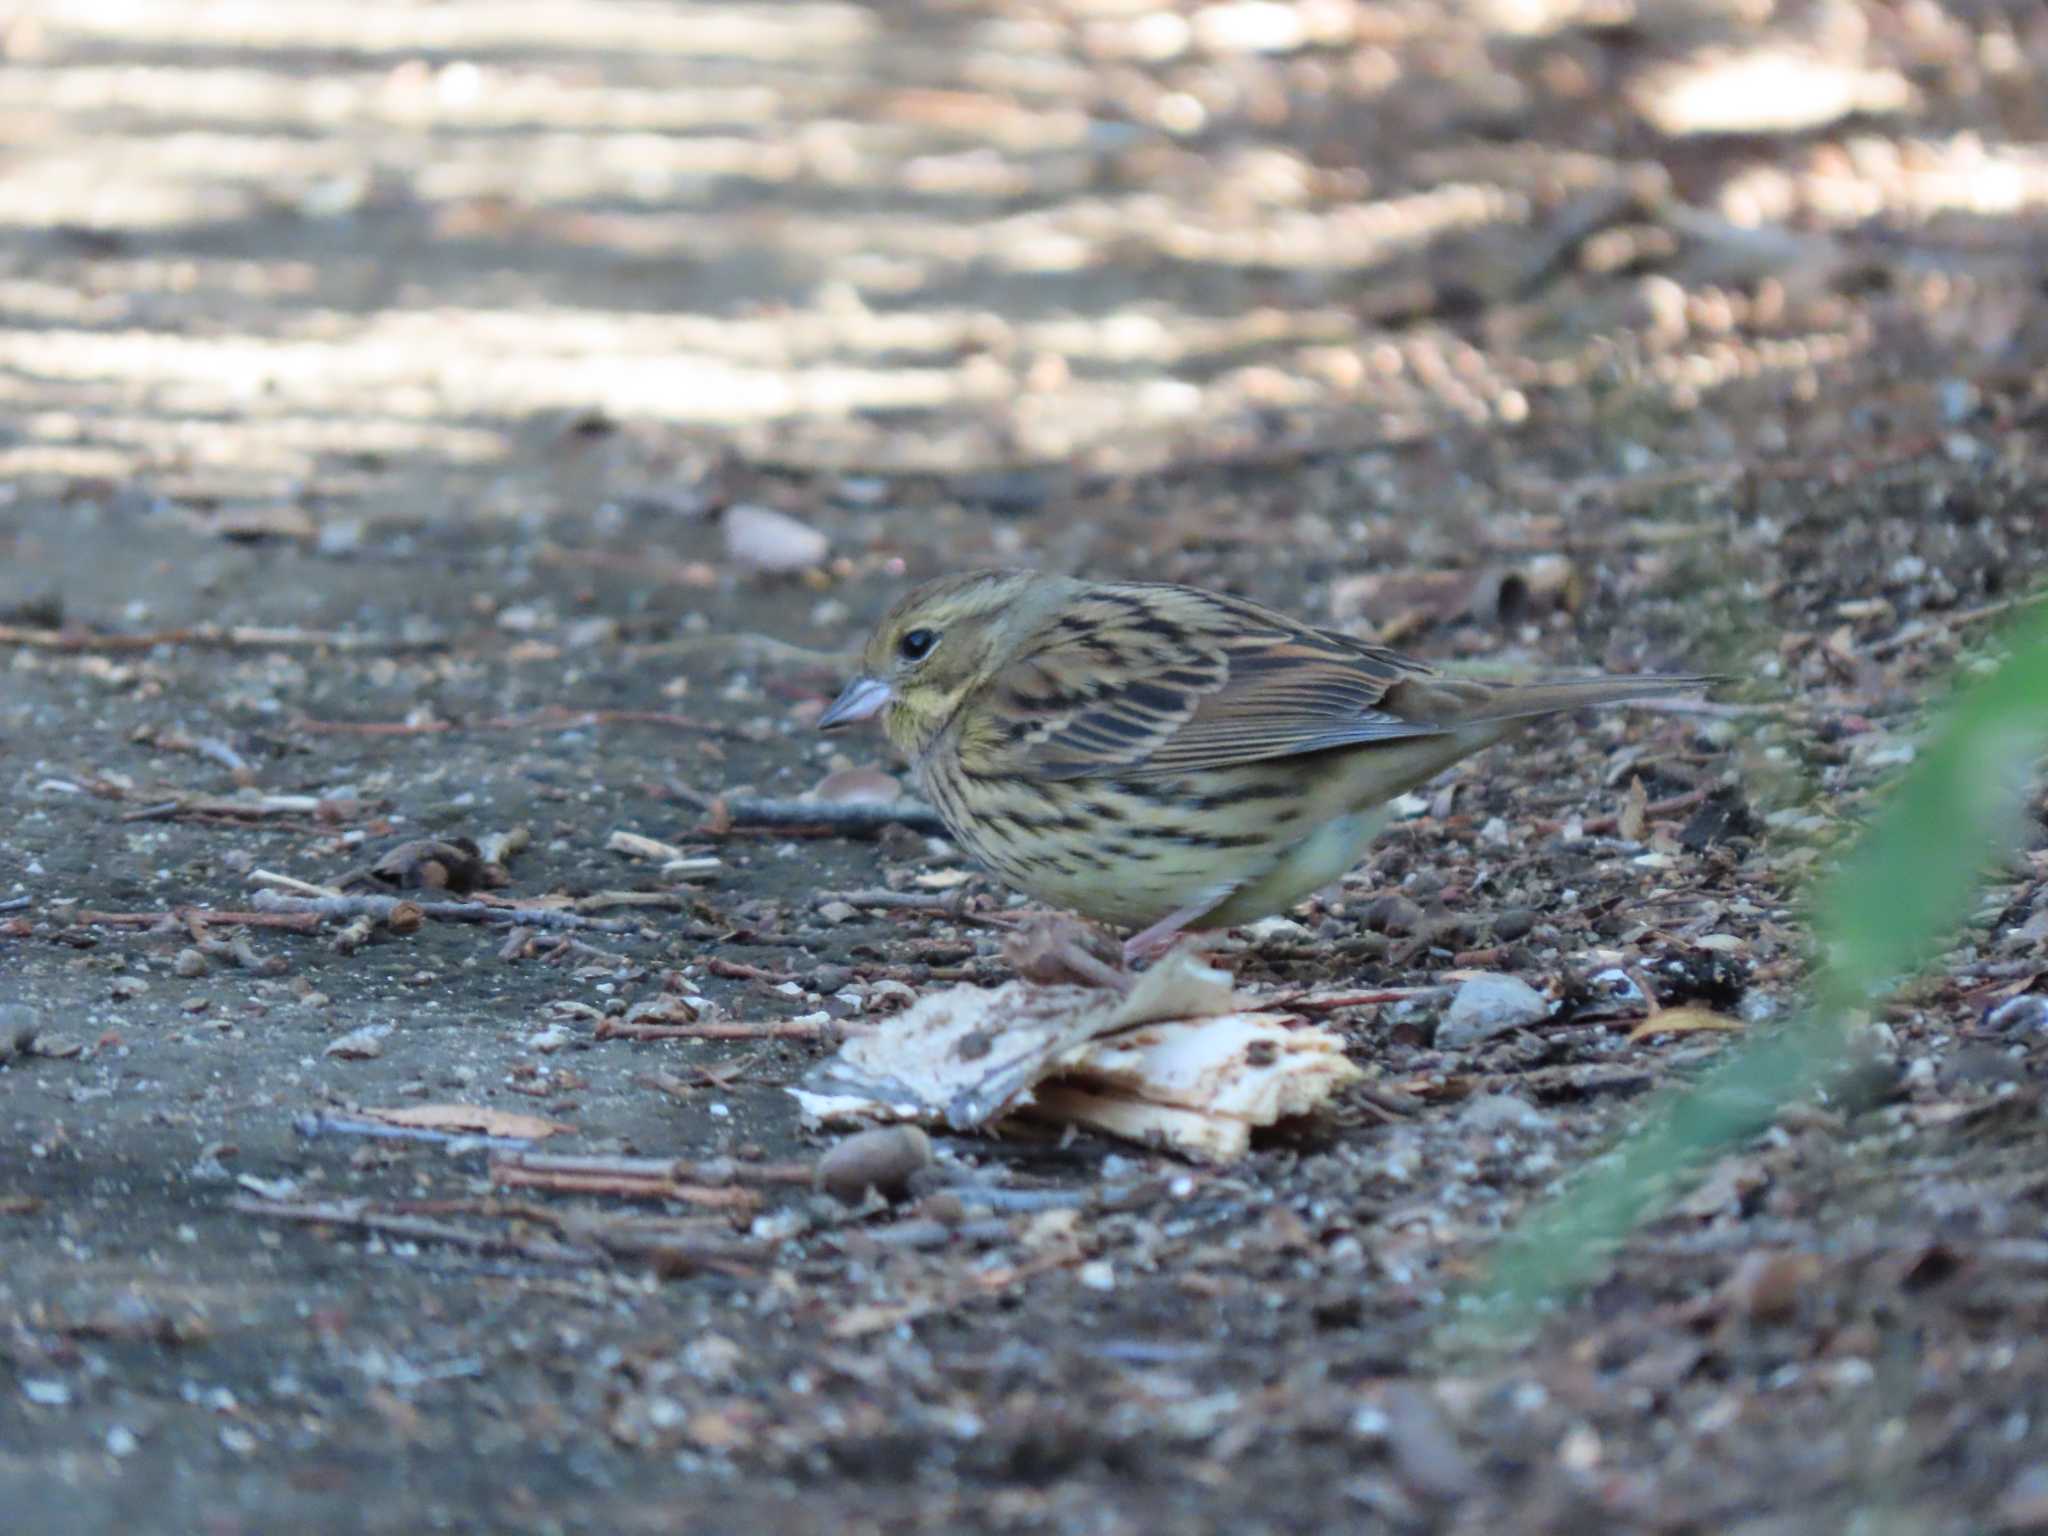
(917,644)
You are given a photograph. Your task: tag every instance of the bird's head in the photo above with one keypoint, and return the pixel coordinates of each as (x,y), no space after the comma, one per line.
(934,648)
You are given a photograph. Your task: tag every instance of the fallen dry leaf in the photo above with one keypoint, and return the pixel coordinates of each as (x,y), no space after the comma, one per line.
(1685,1021)
(857,786)
(470,1119)
(763,539)
(1635,808)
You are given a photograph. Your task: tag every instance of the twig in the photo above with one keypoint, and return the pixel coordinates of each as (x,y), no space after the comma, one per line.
(849,816)
(566,945)
(1329,1002)
(674,861)
(774,1029)
(1022,1201)
(678,1089)
(672,1245)
(739,970)
(710,1171)
(206,916)
(947,903)
(1651,483)
(240,637)
(1713,709)
(313,1126)
(213,748)
(950,905)
(930,1232)
(724,1198)
(415,1228)
(1920,629)
(380,908)
(1390,1104)
(720,1183)
(501,847)
(982,974)
(603,901)
(254,809)
(553,719)
(312,727)
(857,1321)
(1605,824)
(271,880)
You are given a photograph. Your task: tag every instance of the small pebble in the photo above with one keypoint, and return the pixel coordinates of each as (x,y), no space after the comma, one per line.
(2025,1014)
(1277,930)
(1489,1113)
(1487,1006)
(359,1044)
(18,1029)
(189,963)
(1767,1285)
(944,1206)
(1392,913)
(1513,924)
(883,1160)
(762,539)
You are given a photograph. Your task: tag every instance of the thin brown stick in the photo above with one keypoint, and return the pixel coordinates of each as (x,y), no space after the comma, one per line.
(774,1029)
(311,1126)
(712,1171)
(206,916)
(947,903)
(605,901)
(739,970)
(724,1198)
(339,1213)
(539,720)
(860,1320)
(681,1089)
(850,816)
(1328,1002)
(225,806)
(1600,825)
(380,909)
(240,637)
(564,945)
(1923,629)
(949,906)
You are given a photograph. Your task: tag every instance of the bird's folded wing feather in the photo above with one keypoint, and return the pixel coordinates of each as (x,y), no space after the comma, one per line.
(1145,681)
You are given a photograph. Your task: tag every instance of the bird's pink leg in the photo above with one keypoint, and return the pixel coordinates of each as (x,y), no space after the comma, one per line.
(1159,938)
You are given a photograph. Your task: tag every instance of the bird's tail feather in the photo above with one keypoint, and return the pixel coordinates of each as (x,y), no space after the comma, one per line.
(1552,695)
(1459,702)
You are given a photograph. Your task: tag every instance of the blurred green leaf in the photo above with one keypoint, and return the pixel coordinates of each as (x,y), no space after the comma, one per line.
(1883,913)
(1893,900)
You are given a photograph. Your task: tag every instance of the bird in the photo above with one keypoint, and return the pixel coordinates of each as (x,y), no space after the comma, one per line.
(1163,758)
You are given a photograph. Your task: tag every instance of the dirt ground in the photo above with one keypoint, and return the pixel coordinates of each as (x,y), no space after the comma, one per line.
(380,384)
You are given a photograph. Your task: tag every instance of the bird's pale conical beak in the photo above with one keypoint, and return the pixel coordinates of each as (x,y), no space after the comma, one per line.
(862,697)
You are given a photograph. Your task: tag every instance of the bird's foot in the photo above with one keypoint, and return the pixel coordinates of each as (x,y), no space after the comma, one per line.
(1151,943)
(1142,950)
(1052,948)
